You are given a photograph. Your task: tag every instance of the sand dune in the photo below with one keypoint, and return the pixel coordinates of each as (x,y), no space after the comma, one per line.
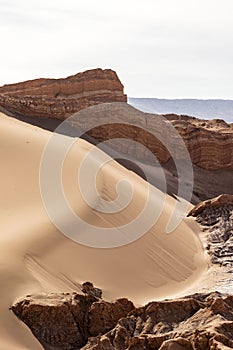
(36,257)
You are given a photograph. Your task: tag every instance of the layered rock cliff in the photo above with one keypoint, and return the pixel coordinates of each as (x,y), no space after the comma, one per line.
(201,321)
(209,143)
(48,102)
(203,209)
(68,322)
(59,98)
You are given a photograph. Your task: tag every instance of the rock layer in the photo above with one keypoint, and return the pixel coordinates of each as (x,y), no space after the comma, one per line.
(209,143)
(222,201)
(71,322)
(59,98)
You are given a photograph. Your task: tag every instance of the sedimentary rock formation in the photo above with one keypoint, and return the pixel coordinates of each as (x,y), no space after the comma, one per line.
(210,143)
(88,288)
(200,322)
(48,102)
(216,217)
(223,201)
(65,322)
(59,98)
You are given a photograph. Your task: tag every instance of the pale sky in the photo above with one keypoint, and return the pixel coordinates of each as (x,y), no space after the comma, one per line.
(159,48)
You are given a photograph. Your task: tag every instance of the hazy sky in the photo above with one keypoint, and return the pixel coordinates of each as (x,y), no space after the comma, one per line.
(159,48)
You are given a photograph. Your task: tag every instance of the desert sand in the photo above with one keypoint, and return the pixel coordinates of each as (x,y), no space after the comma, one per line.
(37,258)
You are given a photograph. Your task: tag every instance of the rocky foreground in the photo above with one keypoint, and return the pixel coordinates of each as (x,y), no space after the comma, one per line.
(73,321)
(202,321)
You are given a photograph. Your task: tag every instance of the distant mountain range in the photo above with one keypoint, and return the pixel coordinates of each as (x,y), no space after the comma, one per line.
(205,109)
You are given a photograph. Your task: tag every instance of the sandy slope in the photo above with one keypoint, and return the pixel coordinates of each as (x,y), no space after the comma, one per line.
(35,257)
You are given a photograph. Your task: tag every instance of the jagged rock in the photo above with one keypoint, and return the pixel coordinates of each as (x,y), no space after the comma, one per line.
(217,215)
(65,321)
(71,322)
(221,201)
(59,98)
(198,322)
(210,143)
(88,288)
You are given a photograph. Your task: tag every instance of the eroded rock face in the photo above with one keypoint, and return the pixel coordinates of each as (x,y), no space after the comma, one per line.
(90,289)
(65,321)
(216,217)
(60,98)
(209,143)
(48,102)
(197,322)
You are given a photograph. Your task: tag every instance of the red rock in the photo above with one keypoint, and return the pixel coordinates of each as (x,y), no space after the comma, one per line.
(220,201)
(65,321)
(197,322)
(60,98)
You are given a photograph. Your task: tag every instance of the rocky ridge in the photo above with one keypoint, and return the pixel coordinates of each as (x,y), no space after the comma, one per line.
(202,321)
(73,321)
(216,218)
(48,102)
(66,321)
(210,143)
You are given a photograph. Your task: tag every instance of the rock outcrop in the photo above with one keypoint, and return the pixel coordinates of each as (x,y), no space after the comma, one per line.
(48,102)
(71,322)
(90,289)
(66,321)
(216,217)
(59,98)
(223,201)
(198,322)
(210,143)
